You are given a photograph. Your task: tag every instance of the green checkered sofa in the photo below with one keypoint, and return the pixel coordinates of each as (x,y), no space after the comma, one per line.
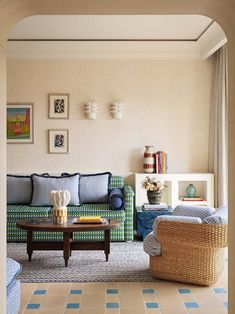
(123,233)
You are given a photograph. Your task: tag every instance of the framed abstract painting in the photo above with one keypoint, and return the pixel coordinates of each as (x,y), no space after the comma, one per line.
(20,123)
(58,141)
(58,106)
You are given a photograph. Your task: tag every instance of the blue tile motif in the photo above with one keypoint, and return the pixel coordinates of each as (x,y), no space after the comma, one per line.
(73,306)
(40,292)
(181,291)
(220,290)
(152,305)
(191,304)
(112,305)
(148,291)
(75,291)
(112,291)
(226,304)
(33,306)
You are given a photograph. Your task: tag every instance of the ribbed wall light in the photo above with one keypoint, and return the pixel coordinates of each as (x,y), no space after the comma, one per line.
(90,110)
(116,109)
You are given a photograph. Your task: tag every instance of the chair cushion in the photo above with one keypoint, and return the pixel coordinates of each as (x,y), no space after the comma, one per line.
(186,219)
(13,268)
(151,245)
(42,186)
(193,211)
(94,187)
(116,199)
(219,217)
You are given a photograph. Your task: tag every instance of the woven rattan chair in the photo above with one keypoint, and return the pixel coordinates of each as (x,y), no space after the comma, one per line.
(192,253)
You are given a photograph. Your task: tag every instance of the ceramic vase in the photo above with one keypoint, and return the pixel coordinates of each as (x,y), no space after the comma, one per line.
(149,159)
(154,197)
(191,190)
(60,200)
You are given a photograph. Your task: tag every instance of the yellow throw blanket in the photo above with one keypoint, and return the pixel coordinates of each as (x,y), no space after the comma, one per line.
(90,219)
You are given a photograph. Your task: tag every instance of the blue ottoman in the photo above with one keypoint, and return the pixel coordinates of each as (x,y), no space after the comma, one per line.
(13,286)
(145,219)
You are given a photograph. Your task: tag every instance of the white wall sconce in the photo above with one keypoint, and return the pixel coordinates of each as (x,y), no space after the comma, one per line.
(90,110)
(116,109)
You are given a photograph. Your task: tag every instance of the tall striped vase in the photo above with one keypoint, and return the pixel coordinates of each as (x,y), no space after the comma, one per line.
(149,159)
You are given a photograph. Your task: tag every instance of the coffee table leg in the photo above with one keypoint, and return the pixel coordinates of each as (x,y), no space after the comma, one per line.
(71,238)
(66,247)
(29,244)
(107,244)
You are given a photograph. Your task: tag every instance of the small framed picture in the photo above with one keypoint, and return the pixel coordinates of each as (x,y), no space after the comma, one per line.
(58,141)
(20,123)
(58,106)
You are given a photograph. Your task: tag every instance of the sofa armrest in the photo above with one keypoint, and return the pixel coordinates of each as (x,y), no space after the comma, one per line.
(129,211)
(190,234)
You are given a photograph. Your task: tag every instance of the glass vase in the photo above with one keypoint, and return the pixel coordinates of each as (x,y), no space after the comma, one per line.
(191,190)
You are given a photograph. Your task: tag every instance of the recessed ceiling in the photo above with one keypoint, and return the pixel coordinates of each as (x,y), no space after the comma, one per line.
(111,27)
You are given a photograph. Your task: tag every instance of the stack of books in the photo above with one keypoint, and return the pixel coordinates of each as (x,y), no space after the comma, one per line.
(161,206)
(161,162)
(196,198)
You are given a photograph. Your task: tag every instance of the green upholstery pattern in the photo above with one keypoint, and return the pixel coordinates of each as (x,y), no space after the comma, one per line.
(123,233)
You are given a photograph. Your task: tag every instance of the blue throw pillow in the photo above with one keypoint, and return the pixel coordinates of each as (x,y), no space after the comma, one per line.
(116,199)
(94,187)
(19,189)
(42,186)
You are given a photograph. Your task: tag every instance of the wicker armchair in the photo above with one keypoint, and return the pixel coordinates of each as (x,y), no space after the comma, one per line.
(192,253)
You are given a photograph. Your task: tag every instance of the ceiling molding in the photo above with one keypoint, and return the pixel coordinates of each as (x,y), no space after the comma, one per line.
(96,50)
(211,40)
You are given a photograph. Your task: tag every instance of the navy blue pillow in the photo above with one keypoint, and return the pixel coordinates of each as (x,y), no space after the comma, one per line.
(116,199)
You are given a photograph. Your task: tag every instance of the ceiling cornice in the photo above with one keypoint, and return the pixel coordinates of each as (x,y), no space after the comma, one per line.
(211,40)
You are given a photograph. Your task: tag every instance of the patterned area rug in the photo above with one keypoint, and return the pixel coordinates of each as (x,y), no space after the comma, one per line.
(127,262)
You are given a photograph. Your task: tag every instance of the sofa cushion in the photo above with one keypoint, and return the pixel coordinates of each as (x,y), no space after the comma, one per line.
(193,211)
(186,219)
(219,217)
(151,245)
(19,189)
(116,199)
(101,210)
(24,212)
(42,186)
(94,187)
(13,268)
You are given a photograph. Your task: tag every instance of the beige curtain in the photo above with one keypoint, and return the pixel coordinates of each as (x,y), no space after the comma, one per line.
(218,127)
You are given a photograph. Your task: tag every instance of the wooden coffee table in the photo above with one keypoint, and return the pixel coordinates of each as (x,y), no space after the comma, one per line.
(68,245)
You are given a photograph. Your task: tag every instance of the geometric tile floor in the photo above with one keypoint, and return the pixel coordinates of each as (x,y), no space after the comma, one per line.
(163,297)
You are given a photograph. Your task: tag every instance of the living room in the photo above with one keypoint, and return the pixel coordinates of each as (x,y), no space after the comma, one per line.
(147,99)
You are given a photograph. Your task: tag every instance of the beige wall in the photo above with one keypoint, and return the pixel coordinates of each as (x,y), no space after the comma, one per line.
(166,104)
(221,11)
